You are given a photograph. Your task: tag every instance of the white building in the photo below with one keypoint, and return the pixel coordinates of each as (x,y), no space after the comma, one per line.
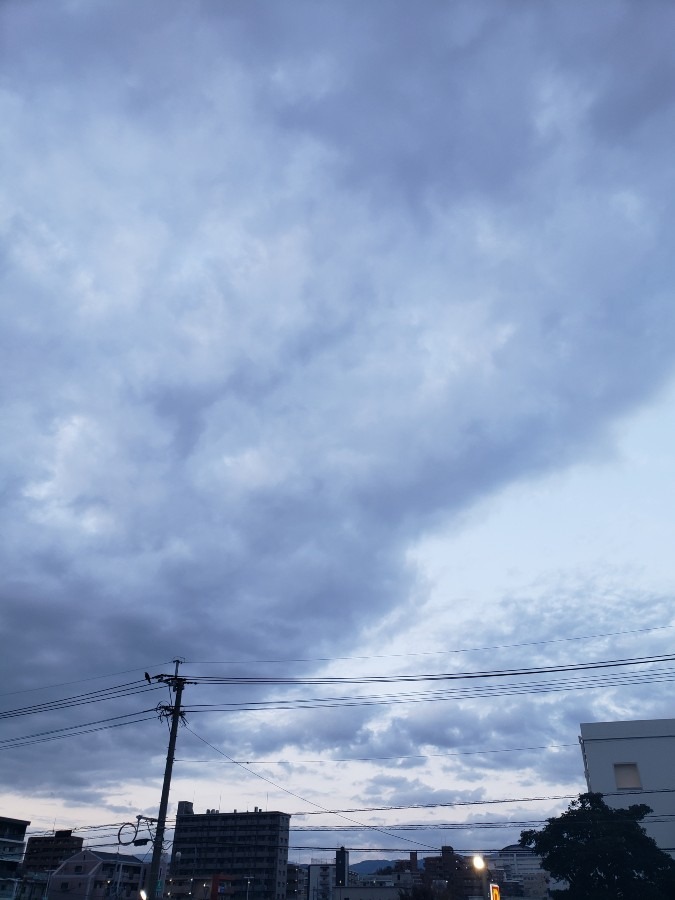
(320,880)
(323,880)
(519,864)
(634,762)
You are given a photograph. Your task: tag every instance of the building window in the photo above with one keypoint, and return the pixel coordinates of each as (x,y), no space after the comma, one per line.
(627,776)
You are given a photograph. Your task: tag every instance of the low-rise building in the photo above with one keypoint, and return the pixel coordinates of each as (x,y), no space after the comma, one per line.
(98,875)
(209,887)
(33,886)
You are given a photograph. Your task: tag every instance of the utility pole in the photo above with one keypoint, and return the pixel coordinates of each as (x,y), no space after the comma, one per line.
(176,684)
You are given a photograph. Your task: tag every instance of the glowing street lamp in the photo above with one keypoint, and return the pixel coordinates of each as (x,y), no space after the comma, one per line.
(490,891)
(481,869)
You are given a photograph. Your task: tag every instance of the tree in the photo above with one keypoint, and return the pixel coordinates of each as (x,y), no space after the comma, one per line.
(416,892)
(603,853)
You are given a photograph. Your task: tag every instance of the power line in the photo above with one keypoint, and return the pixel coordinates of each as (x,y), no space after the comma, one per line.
(112,693)
(74,730)
(588,637)
(76,681)
(472,691)
(343,759)
(285,790)
(113,828)
(442,805)
(433,677)
(488,802)
(132,688)
(230,662)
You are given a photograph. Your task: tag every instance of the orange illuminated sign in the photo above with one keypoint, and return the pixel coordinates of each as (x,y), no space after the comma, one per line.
(494,892)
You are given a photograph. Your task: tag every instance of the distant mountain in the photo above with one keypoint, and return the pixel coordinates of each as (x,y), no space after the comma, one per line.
(368,866)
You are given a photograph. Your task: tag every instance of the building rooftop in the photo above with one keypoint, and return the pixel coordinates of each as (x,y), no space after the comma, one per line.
(638,728)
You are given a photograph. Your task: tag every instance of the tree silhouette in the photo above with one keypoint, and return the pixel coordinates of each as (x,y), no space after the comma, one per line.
(603,852)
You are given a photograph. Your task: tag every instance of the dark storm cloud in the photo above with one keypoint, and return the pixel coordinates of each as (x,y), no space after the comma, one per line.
(284,288)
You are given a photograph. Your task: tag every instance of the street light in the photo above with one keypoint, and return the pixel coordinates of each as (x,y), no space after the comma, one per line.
(481,869)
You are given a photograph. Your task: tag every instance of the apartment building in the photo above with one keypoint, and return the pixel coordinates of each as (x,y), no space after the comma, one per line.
(296,881)
(321,880)
(45,853)
(12,844)
(250,848)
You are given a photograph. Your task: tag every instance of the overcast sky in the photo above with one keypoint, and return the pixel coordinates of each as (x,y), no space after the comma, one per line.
(337,341)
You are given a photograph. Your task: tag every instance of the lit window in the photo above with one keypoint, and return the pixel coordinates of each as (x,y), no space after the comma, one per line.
(627,776)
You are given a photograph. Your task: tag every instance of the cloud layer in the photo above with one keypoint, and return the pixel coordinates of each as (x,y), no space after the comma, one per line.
(286,289)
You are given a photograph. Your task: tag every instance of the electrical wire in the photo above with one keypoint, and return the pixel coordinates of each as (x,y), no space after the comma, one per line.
(441,676)
(318,703)
(49,687)
(573,638)
(587,637)
(112,693)
(285,790)
(75,730)
(488,802)
(343,759)
(112,829)
(474,690)
(132,688)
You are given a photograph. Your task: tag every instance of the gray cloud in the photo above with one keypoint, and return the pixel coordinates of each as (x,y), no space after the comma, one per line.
(285,290)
